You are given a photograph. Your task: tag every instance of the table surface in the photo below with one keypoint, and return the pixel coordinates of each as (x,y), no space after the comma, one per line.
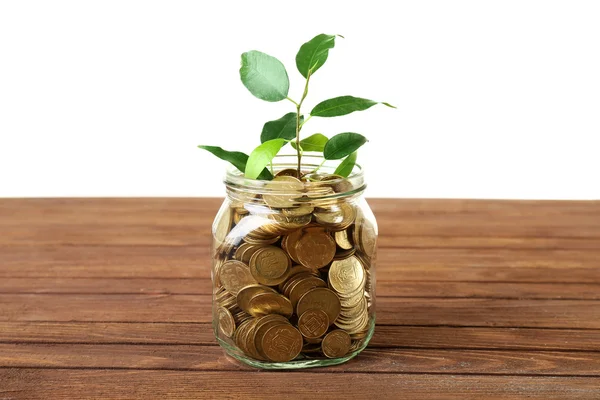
(110,298)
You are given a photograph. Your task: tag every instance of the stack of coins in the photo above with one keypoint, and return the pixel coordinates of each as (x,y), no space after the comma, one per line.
(292,270)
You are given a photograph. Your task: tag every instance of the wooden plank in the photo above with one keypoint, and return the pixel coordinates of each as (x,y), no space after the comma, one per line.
(390,237)
(110,384)
(440,223)
(574,266)
(390,310)
(211,358)
(386,336)
(110,286)
(384,288)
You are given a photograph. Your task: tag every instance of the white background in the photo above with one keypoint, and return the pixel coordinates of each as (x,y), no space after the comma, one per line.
(496,99)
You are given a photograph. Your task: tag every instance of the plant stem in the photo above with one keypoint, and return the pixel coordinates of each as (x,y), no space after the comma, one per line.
(298,126)
(305,121)
(292,101)
(319,167)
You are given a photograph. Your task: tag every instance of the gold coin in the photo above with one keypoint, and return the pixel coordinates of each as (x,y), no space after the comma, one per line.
(336,344)
(368,237)
(365,234)
(235,275)
(338,183)
(283,191)
(296,270)
(270,265)
(240,317)
(303,209)
(262,326)
(346,276)
(289,243)
(315,249)
(351,301)
(238,336)
(226,322)
(303,286)
(343,240)
(261,241)
(269,303)
(247,292)
(282,343)
(249,342)
(222,224)
(329,216)
(313,323)
(322,299)
(340,255)
(288,172)
(290,283)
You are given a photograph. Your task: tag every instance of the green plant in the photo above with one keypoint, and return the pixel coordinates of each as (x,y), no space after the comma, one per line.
(267,79)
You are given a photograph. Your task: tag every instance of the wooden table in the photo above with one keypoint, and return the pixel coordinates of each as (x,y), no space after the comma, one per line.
(110,298)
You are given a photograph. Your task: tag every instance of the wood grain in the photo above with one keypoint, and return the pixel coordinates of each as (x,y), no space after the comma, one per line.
(393,264)
(498,290)
(110,298)
(212,358)
(101,384)
(390,310)
(386,336)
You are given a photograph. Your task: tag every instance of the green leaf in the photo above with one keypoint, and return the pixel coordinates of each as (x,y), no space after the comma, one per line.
(343,105)
(314,142)
(282,128)
(346,166)
(262,156)
(313,54)
(264,76)
(343,144)
(237,158)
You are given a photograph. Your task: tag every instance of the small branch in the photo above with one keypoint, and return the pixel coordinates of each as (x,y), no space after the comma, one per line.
(292,101)
(298,125)
(305,121)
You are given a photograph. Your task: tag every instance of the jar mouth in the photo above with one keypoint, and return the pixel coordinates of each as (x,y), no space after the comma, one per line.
(354,184)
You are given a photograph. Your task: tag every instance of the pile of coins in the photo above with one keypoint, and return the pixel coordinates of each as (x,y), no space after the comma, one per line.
(292,271)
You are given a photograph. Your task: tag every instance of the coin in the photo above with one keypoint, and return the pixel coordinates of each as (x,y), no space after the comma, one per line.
(246,293)
(223,224)
(269,303)
(289,243)
(261,241)
(282,343)
(262,326)
(235,275)
(288,172)
(302,286)
(340,255)
(302,209)
(342,239)
(249,344)
(315,249)
(368,237)
(336,344)
(270,265)
(322,299)
(346,276)
(365,234)
(296,270)
(313,323)
(283,191)
(226,322)
(338,183)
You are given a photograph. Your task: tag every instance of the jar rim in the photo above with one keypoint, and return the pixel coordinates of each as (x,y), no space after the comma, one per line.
(236,181)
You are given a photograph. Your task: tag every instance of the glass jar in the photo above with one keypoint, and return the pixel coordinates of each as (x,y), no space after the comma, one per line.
(294,266)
